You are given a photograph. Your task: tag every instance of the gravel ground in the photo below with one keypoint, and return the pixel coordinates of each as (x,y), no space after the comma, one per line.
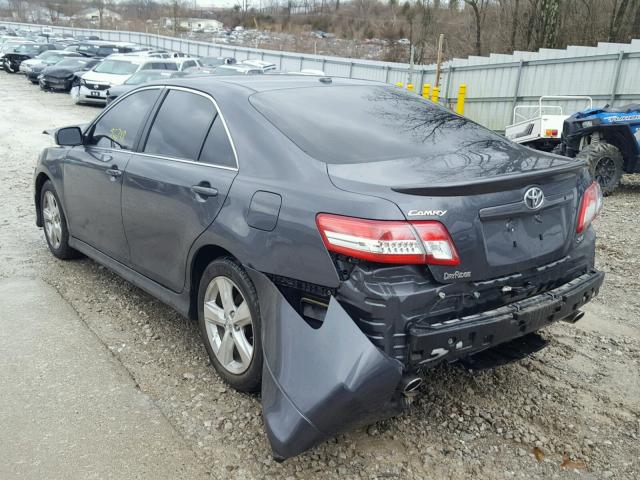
(570,411)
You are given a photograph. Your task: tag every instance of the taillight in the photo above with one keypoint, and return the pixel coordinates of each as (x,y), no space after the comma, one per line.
(385,241)
(590,206)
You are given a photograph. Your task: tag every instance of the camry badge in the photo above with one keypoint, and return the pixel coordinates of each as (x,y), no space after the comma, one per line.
(534,198)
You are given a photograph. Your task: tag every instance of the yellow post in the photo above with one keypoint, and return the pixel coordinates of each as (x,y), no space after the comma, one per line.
(462,93)
(426,89)
(410,87)
(399,84)
(435,95)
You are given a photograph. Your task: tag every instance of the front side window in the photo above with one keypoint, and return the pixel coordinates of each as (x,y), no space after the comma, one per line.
(119,127)
(180,125)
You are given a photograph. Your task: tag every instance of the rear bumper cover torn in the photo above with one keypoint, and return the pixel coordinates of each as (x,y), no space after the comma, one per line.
(317,383)
(461,337)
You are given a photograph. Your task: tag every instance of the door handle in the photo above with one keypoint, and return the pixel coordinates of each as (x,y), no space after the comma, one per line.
(204,191)
(113,172)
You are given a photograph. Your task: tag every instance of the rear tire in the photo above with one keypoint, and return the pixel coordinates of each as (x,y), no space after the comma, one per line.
(231,328)
(605,164)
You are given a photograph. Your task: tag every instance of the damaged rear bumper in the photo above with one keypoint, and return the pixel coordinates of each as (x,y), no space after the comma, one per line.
(319,382)
(461,337)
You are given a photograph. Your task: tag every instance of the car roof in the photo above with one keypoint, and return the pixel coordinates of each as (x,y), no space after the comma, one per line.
(213,84)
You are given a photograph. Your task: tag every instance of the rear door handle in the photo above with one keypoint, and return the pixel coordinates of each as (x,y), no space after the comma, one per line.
(204,191)
(113,172)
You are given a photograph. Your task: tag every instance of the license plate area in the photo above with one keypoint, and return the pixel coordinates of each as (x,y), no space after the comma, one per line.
(94,93)
(518,238)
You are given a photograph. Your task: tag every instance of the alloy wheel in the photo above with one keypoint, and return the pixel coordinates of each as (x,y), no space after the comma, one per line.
(52,220)
(605,171)
(229,325)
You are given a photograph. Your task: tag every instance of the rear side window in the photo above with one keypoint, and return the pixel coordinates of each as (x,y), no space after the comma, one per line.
(181,125)
(119,127)
(217,148)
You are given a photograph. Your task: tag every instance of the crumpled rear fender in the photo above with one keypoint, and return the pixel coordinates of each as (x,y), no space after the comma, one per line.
(317,383)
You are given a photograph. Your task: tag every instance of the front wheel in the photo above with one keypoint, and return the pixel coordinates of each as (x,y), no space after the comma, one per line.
(55,223)
(605,164)
(230,324)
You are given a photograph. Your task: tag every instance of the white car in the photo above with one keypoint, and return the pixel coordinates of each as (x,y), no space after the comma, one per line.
(117,69)
(261,64)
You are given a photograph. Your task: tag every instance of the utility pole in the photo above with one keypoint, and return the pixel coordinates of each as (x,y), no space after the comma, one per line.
(439,63)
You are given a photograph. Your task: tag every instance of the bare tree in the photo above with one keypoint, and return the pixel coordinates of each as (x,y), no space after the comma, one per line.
(478,7)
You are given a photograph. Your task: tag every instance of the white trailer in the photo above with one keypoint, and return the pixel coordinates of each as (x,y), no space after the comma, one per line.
(540,126)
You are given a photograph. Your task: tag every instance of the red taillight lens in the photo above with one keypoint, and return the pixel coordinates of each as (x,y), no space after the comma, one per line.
(384,241)
(590,206)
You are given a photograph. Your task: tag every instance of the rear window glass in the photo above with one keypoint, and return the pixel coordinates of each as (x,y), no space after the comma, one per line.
(217,148)
(358,124)
(180,125)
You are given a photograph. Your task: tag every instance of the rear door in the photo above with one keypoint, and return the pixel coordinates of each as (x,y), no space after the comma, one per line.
(93,174)
(176,184)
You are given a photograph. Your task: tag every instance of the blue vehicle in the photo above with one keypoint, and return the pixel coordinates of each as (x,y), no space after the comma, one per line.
(607,138)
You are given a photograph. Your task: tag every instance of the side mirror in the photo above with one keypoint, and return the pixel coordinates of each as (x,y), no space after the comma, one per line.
(69,137)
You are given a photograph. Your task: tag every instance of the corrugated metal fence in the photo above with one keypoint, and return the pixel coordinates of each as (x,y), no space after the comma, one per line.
(609,73)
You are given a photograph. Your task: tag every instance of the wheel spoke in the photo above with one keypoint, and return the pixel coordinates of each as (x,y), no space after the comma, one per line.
(48,216)
(245,349)
(225,352)
(226,297)
(213,313)
(242,317)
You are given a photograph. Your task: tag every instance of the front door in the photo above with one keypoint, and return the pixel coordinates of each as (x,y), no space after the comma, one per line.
(93,175)
(174,188)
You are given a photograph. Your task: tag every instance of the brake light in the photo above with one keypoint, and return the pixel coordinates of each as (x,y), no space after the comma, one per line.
(551,133)
(385,241)
(590,206)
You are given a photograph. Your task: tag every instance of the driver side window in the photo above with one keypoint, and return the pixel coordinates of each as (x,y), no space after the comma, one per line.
(119,127)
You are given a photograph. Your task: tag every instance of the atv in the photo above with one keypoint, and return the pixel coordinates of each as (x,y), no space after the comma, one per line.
(607,138)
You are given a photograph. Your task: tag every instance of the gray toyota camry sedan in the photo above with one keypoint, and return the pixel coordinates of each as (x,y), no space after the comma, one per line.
(333,238)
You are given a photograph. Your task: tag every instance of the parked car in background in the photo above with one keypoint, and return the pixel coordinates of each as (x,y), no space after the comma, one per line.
(216,61)
(345,235)
(11,45)
(27,64)
(102,49)
(139,78)
(261,64)
(66,74)
(12,60)
(34,70)
(117,69)
(237,69)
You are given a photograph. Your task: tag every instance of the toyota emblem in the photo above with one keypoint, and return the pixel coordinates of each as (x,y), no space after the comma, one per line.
(534,198)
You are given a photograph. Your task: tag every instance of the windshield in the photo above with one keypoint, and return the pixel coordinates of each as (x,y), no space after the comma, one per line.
(146,76)
(47,54)
(72,64)
(52,59)
(27,49)
(359,124)
(116,67)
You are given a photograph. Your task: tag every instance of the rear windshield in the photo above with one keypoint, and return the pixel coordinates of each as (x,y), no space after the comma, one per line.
(358,124)
(116,67)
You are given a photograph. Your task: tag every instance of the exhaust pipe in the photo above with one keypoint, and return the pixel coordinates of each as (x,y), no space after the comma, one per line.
(409,385)
(574,317)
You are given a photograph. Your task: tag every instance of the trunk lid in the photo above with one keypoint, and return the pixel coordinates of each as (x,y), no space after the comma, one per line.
(479,195)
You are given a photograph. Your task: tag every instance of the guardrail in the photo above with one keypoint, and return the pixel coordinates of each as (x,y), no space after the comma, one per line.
(493,89)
